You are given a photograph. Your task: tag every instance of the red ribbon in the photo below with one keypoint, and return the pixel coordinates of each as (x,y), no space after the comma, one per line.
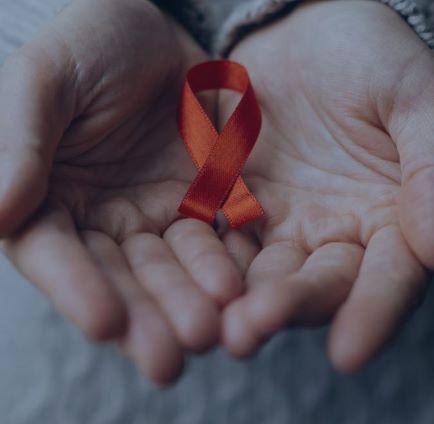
(219,157)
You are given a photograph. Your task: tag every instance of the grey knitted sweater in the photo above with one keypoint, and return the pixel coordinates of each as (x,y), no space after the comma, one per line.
(219,24)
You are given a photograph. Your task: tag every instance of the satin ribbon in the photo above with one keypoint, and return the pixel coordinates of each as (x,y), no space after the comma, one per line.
(219,157)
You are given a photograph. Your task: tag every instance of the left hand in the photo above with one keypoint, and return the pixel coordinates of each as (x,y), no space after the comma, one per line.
(344,168)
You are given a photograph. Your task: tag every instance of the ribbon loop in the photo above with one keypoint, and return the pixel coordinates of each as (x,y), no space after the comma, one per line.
(219,157)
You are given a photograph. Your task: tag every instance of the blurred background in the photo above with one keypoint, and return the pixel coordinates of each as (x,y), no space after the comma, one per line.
(50,374)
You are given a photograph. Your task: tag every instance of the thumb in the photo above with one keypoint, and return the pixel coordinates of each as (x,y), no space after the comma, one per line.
(33,117)
(411,126)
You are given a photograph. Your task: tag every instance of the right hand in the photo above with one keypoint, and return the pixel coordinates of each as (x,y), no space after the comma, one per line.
(92,171)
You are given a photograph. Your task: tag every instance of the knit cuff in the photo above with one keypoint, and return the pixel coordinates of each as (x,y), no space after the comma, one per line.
(256,13)
(246,18)
(417,16)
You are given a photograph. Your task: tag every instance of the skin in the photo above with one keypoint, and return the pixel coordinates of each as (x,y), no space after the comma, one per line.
(92,172)
(344,170)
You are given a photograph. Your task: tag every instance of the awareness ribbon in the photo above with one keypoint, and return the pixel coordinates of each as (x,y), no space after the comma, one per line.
(219,157)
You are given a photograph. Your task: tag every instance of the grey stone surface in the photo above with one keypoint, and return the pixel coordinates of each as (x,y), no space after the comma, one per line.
(50,374)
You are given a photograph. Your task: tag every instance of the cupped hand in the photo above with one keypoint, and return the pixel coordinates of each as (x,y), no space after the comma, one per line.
(344,169)
(91,163)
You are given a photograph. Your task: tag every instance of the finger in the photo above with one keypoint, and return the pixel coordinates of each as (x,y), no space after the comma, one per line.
(193,316)
(49,253)
(242,249)
(272,266)
(390,284)
(203,255)
(309,295)
(149,341)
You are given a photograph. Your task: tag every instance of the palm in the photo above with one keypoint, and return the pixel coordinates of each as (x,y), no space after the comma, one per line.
(130,177)
(328,172)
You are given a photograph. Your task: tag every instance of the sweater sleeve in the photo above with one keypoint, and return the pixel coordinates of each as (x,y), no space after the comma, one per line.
(251,15)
